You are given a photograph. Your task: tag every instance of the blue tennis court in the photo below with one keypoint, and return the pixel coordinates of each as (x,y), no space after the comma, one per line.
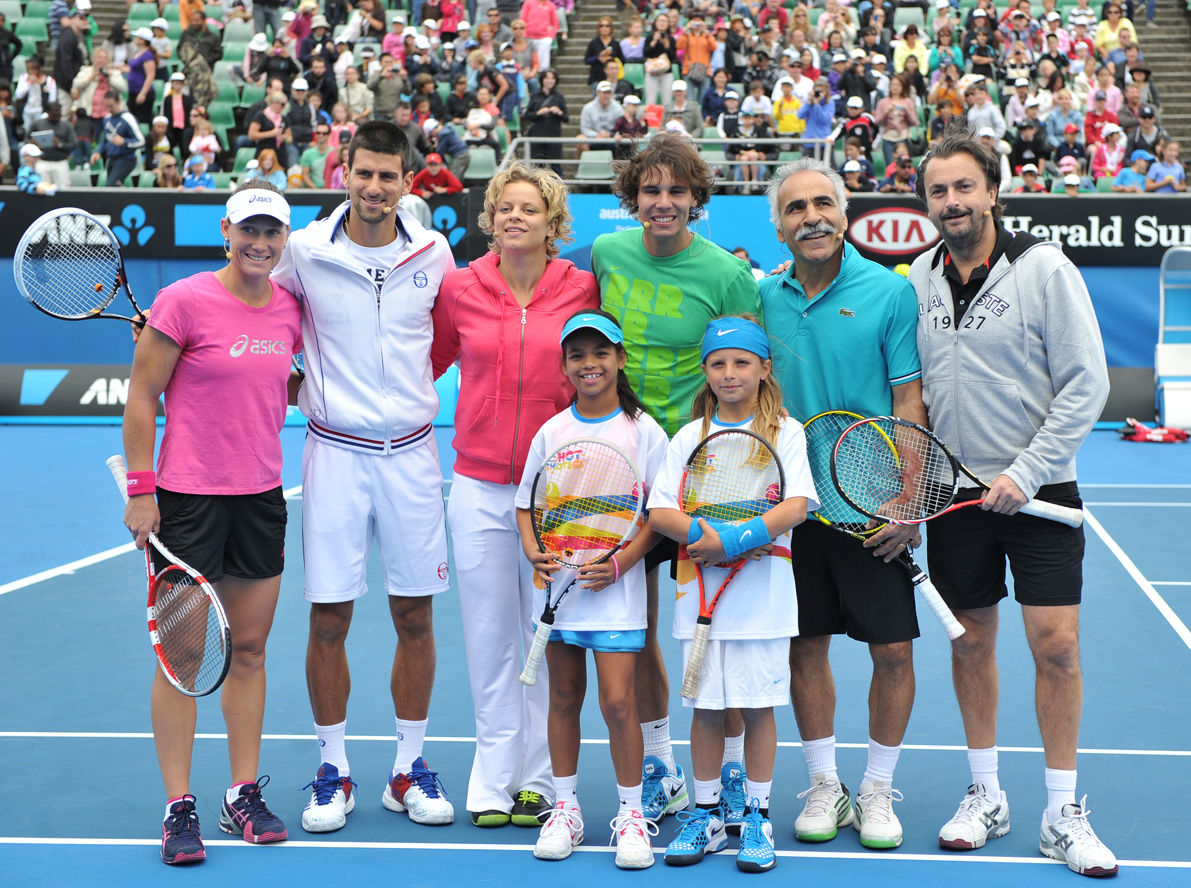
(85,799)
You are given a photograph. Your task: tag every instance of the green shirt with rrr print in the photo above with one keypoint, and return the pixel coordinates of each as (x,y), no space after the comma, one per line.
(663,305)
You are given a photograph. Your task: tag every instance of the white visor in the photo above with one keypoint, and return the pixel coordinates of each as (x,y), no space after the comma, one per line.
(249,202)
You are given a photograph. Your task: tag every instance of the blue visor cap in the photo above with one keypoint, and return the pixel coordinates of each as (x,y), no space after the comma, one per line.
(604,325)
(735,333)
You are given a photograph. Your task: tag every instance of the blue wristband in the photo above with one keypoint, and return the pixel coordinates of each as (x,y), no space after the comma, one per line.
(740,538)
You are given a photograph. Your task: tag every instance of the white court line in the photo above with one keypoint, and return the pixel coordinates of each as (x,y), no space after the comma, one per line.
(66,569)
(1136,486)
(387,738)
(1150,505)
(525,849)
(1170,583)
(1145,585)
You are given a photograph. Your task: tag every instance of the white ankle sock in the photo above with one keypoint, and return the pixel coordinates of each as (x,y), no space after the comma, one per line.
(1060,791)
(881,762)
(630,797)
(733,750)
(331,747)
(656,736)
(820,757)
(411,736)
(983,763)
(566,789)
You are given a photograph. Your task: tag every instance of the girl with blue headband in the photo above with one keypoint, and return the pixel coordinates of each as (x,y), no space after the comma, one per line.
(747,663)
(606,610)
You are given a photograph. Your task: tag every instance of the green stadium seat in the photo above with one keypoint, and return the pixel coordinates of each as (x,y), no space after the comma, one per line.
(40,9)
(221,114)
(595,166)
(237,32)
(1104,184)
(246,154)
(250,95)
(142,13)
(12,11)
(483,164)
(148,180)
(29,29)
(80,178)
(222,180)
(634,73)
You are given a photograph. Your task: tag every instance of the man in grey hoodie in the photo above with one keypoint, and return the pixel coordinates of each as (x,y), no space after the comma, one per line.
(1013,377)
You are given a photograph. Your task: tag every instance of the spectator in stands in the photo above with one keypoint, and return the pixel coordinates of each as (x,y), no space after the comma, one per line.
(59,18)
(541,27)
(915,82)
(236,11)
(1015,109)
(448,24)
(69,55)
(1166,175)
(269,129)
(302,25)
(142,69)
(35,89)
(356,96)
(525,57)
(254,53)
(1016,63)
(818,114)
(946,90)
(1148,133)
(487,75)
(1071,146)
(322,80)
(10,48)
(302,118)
(1097,118)
(443,140)
(857,124)
(424,88)
(857,81)
(1029,181)
(661,54)
(1132,179)
(894,115)
(205,143)
(786,119)
(683,107)
(750,155)
(314,158)
(53,165)
(855,180)
(269,169)
(1072,184)
(1062,117)
(175,107)
(697,46)
(628,129)
(910,45)
(1125,56)
(597,119)
(982,111)
(1109,154)
(945,51)
(1108,32)
(632,46)
(90,86)
(459,101)
(544,116)
(1114,97)
(119,46)
(902,180)
(29,180)
(197,178)
(166,174)
(157,142)
(757,101)
(120,140)
(317,43)
(1029,146)
(342,126)
(163,46)
(713,101)
(601,49)
(276,64)
(981,54)
(435,179)
(483,121)
(1000,150)
(199,50)
(266,16)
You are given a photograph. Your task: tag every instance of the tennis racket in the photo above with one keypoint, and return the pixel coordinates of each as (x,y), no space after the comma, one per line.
(731,477)
(187,625)
(587,502)
(897,471)
(68,264)
(822,432)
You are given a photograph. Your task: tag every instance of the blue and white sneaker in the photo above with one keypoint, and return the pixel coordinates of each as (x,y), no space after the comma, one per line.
(702,832)
(732,779)
(662,793)
(421,794)
(756,844)
(330,802)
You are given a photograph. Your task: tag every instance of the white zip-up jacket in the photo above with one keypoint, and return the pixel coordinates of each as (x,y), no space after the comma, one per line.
(369,384)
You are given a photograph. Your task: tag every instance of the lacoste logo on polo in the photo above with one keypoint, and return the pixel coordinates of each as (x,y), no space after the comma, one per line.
(847,313)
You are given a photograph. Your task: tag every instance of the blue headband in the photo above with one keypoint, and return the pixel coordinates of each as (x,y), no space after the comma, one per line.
(595,322)
(735,333)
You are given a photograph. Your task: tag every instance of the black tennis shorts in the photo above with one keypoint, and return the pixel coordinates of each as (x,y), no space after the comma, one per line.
(666,550)
(968,548)
(844,588)
(241,536)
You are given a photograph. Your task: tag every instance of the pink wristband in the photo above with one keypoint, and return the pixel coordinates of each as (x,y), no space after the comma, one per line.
(141,483)
(615,569)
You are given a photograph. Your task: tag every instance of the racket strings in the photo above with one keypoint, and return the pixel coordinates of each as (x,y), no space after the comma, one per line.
(894,470)
(188,629)
(731,478)
(586,502)
(821,434)
(70,267)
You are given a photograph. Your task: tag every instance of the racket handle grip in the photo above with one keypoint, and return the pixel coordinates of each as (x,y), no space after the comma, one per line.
(694,663)
(1062,514)
(120,472)
(938,606)
(529,675)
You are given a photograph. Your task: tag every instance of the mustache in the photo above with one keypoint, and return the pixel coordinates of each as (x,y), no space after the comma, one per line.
(810,230)
(955,213)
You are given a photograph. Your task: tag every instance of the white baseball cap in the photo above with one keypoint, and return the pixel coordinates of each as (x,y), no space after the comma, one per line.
(289,16)
(299,83)
(678,85)
(631,100)
(1071,179)
(144,33)
(249,202)
(1029,168)
(879,59)
(986,131)
(855,102)
(1021,81)
(160,119)
(177,75)
(429,125)
(605,87)
(1109,128)
(157,23)
(30,150)
(422,42)
(853,166)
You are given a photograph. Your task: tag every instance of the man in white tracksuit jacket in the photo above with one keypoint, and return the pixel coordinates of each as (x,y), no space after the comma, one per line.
(367,278)
(1013,378)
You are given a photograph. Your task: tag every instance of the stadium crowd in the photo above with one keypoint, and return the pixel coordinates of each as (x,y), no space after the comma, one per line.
(248,88)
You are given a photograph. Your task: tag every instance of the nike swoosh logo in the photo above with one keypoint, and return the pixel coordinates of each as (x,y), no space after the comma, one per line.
(744,536)
(722,332)
(615,267)
(777,681)
(617,635)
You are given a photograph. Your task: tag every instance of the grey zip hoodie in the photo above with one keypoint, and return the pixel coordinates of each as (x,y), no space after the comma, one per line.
(1015,386)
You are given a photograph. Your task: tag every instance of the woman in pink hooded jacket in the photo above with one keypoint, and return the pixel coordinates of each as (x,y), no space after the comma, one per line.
(500,318)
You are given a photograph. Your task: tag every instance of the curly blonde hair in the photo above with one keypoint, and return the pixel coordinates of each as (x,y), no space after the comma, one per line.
(553,192)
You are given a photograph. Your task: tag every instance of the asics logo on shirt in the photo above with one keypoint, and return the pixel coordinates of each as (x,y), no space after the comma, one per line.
(258,346)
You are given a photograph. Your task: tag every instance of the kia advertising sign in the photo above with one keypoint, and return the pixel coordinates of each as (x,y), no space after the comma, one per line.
(892,231)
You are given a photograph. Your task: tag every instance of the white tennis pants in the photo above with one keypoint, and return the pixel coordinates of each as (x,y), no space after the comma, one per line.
(498,601)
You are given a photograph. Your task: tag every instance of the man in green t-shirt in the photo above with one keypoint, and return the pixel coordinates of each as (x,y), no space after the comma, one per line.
(664,283)
(314,158)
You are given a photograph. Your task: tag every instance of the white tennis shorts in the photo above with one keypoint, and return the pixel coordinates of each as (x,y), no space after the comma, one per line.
(350,498)
(742,674)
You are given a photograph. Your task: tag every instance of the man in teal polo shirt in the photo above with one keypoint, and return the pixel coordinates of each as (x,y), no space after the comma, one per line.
(842,335)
